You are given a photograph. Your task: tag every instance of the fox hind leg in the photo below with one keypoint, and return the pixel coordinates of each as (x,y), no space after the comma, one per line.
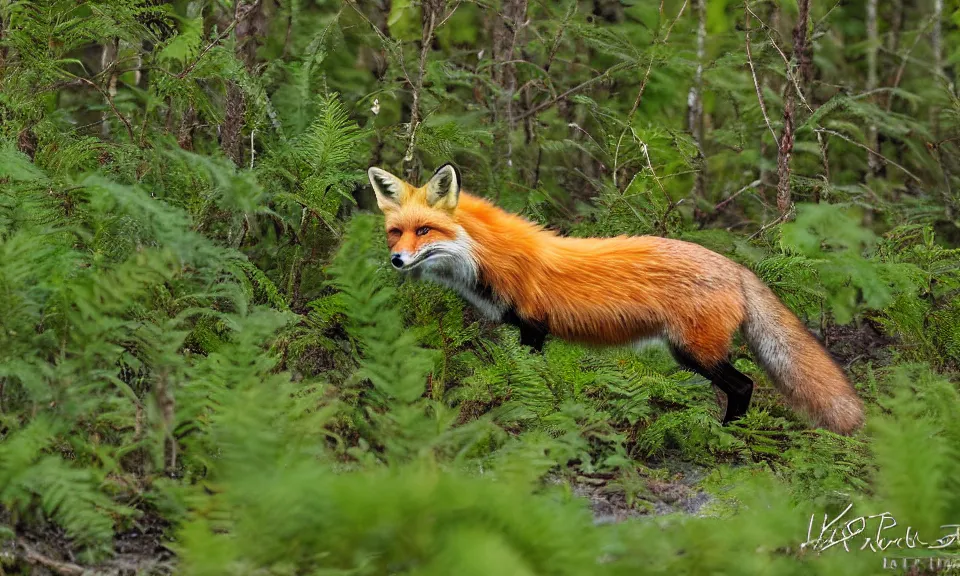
(739,391)
(737,386)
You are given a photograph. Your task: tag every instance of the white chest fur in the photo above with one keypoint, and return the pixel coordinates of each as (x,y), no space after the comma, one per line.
(452,264)
(487,303)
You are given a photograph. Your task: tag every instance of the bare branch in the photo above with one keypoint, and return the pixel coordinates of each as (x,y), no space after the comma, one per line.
(248,30)
(873,47)
(906,57)
(821,141)
(671,205)
(868,149)
(724,203)
(556,41)
(109,100)
(108,57)
(753,72)
(646,76)
(574,90)
(510,22)
(786,61)
(31,556)
(430,21)
(781,218)
(240,15)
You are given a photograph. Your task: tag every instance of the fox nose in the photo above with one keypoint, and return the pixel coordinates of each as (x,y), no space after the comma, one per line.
(397,261)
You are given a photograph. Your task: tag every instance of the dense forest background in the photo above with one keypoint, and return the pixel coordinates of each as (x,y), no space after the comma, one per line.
(206,366)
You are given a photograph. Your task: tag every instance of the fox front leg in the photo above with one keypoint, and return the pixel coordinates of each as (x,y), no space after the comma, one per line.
(532,334)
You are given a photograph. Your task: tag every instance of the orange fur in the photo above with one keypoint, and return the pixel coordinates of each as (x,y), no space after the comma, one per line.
(616,291)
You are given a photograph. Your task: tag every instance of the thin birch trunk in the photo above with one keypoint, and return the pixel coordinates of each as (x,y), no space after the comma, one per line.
(695,100)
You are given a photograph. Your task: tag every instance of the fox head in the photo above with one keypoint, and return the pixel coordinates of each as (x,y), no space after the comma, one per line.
(422,230)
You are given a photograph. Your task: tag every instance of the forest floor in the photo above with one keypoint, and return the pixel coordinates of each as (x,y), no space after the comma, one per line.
(145,548)
(47,549)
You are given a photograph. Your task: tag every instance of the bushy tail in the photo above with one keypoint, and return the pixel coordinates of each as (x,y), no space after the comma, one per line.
(800,367)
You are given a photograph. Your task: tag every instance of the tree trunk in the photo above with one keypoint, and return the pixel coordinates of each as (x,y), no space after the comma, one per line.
(431,14)
(185,131)
(251,24)
(774,19)
(873,47)
(107,57)
(936,45)
(507,29)
(801,71)
(3,47)
(695,101)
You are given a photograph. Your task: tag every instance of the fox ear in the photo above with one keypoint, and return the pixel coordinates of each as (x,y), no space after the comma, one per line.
(387,187)
(443,189)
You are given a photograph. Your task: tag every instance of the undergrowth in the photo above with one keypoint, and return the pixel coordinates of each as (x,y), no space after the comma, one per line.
(204,349)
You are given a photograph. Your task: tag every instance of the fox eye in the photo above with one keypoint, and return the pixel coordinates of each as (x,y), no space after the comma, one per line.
(423,230)
(395,232)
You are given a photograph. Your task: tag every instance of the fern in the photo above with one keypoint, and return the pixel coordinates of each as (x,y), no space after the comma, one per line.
(322,161)
(69,495)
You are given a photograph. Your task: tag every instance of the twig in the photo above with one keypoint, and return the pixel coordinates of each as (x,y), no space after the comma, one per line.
(906,57)
(826,164)
(575,89)
(580,129)
(415,106)
(873,46)
(938,143)
(616,159)
(646,76)
(236,20)
(753,72)
(449,14)
(790,75)
(506,72)
(724,203)
(646,155)
(383,37)
(776,221)
(425,40)
(33,557)
(671,205)
(556,41)
(114,108)
(868,149)
(108,55)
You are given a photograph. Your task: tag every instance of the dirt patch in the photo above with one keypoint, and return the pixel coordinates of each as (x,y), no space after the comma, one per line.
(47,550)
(609,502)
(858,342)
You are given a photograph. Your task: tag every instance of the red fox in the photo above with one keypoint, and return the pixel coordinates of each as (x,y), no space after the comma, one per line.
(611,291)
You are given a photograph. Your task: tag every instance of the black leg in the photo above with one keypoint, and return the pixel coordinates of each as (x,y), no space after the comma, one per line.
(738,388)
(532,334)
(735,384)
